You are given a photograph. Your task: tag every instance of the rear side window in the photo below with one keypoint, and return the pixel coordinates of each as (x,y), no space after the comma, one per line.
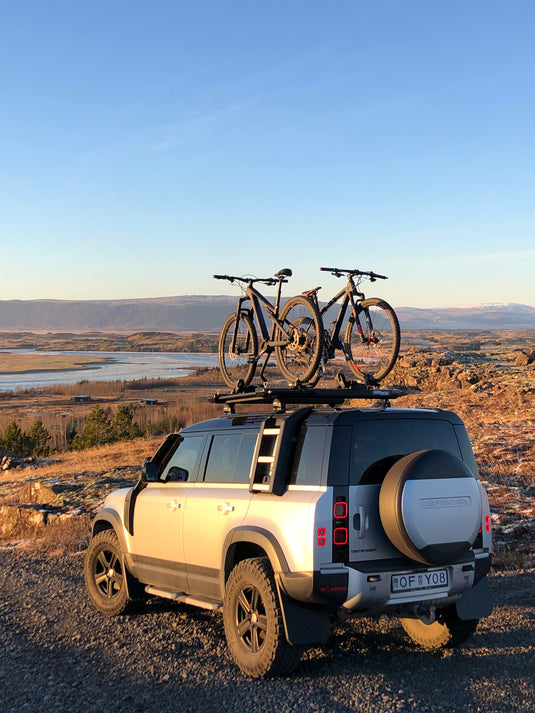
(229,460)
(377,445)
(308,458)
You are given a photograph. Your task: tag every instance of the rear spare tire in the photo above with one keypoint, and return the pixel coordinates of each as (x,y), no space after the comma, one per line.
(430,507)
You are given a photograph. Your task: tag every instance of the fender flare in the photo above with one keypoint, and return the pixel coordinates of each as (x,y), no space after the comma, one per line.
(303,624)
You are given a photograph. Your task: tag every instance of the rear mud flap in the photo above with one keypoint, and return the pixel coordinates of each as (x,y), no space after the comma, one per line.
(303,625)
(476,603)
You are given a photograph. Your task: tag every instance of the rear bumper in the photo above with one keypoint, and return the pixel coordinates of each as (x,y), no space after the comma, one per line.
(366,587)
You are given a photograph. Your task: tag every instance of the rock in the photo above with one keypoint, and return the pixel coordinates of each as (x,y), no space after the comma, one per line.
(446,358)
(525,357)
(13,516)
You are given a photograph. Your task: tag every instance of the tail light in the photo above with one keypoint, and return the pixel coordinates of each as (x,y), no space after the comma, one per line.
(340,530)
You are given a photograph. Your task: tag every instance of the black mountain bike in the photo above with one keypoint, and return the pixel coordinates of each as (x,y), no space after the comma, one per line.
(293,336)
(372,333)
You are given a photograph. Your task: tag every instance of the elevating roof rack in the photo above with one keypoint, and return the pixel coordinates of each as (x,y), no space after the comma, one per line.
(281,397)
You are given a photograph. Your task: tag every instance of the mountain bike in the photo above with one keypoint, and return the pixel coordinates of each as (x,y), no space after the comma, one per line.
(372,334)
(296,335)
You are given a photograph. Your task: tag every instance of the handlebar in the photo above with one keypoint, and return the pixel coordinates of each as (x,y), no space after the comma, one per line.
(250,280)
(339,271)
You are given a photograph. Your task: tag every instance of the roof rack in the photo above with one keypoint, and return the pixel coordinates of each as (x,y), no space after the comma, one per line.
(281,397)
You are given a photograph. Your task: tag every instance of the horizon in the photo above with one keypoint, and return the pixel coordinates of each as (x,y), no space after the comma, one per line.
(481,305)
(211,137)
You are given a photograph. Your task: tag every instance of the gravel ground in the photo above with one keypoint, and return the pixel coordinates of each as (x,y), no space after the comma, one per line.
(58,654)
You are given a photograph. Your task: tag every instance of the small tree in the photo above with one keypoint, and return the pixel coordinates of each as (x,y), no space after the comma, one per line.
(97,430)
(38,438)
(123,427)
(14,440)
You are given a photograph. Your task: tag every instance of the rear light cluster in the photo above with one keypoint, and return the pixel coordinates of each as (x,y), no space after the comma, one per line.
(486,526)
(340,531)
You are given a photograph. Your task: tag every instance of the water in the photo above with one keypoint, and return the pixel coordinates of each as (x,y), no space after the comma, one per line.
(122,366)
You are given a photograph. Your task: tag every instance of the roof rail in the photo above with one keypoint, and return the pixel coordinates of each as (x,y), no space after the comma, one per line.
(281,397)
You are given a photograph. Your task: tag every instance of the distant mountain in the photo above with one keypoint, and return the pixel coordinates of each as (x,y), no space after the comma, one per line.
(174,314)
(484,316)
(206,313)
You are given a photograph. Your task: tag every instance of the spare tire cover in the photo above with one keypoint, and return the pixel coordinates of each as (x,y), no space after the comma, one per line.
(430,506)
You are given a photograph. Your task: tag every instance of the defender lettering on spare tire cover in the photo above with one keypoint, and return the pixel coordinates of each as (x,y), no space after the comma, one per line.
(430,506)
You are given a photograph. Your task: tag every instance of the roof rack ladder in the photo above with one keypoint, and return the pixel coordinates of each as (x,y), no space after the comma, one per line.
(265,456)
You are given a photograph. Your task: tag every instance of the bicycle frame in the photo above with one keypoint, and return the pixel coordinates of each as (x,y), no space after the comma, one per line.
(351,295)
(348,292)
(257,301)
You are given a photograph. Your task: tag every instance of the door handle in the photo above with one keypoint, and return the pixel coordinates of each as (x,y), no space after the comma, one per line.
(173,505)
(361,521)
(225,508)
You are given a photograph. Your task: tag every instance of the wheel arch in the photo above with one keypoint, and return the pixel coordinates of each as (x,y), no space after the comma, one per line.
(245,542)
(302,624)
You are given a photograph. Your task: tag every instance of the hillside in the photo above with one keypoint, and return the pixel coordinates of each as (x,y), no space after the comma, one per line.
(206,313)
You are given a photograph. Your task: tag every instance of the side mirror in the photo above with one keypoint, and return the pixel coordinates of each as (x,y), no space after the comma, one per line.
(177,474)
(151,471)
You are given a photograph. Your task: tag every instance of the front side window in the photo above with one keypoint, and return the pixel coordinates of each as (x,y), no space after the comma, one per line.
(182,463)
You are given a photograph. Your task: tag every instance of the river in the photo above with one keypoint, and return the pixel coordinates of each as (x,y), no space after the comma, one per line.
(121,366)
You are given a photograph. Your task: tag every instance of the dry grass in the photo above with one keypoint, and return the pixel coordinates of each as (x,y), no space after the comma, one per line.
(97,460)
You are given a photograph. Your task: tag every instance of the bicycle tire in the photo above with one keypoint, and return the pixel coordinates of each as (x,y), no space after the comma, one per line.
(372,355)
(238,367)
(299,360)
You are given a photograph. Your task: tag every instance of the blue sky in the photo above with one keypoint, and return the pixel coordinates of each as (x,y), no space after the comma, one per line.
(149,144)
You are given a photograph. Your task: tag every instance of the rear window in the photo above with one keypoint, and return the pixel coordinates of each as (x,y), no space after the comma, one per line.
(377,445)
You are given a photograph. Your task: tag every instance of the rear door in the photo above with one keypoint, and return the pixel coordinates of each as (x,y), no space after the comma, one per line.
(220,503)
(376,446)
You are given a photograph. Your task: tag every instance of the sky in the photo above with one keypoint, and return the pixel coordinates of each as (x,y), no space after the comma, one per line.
(146,145)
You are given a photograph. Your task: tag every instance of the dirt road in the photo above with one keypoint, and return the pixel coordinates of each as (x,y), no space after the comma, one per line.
(58,654)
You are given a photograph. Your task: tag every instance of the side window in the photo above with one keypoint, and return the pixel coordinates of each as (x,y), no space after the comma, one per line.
(245,456)
(308,458)
(229,460)
(183,461)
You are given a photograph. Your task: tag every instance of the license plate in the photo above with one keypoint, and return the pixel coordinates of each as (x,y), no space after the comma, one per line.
(437,579)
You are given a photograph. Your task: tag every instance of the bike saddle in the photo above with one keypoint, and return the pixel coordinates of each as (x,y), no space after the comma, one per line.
(285,272)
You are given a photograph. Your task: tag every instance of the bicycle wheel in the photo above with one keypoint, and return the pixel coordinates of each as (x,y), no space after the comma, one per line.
(300,357)
(372,339)
(237,361)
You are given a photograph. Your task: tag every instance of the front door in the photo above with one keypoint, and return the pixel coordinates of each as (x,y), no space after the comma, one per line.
(157,546)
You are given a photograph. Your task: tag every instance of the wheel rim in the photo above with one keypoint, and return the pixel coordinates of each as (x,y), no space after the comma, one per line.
(237,361)
(371,351)
(251,619)
(299,358)
(108,574)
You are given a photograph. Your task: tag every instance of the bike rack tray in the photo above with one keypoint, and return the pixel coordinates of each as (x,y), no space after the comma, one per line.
(281,397)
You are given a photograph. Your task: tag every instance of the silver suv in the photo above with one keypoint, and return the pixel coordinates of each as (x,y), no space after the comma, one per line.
(290,520)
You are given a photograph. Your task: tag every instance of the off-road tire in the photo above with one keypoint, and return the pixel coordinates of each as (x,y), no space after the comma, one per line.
(236,368)
(371,360)
(105,575)
(447,631)
(253,621)
(299,360)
